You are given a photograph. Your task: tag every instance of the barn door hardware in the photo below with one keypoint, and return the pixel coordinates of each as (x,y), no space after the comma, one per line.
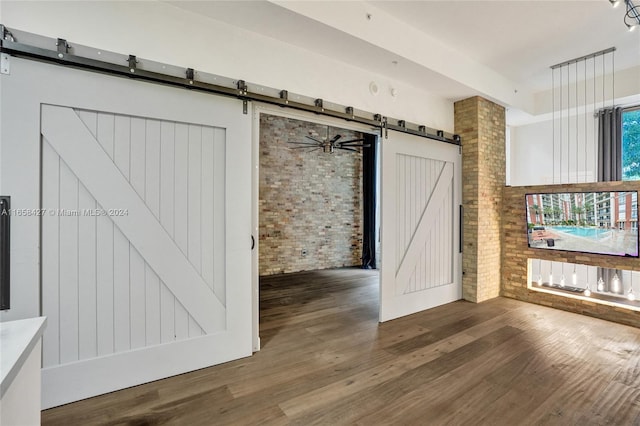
(461,229)
(5,64)
(133,63)
(242,93)
(5,231)
(156,73)
(5,34)
(63,47)
(284,95)
(349,111)
(191,75)
(458,141)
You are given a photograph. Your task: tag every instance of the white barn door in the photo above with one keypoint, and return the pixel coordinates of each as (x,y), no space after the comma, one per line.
(420,193)
(145,234)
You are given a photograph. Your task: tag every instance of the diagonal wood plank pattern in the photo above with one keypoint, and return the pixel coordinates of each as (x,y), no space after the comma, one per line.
(77,147)
(326,360)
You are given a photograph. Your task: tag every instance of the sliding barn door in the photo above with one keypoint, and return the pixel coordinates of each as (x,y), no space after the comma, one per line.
(145,232)
(420,225)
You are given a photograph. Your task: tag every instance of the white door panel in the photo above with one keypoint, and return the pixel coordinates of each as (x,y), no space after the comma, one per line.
(161,283)
(420,266)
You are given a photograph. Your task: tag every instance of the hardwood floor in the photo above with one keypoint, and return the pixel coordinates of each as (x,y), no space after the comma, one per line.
(326,360)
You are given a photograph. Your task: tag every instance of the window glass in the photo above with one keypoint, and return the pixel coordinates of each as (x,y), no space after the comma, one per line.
(631,144)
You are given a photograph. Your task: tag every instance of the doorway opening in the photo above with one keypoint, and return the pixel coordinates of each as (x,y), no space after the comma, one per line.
(317,212)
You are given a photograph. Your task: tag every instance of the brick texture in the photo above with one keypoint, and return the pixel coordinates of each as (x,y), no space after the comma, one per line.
(308,200)
(481,126)
(496,254)
(516,253)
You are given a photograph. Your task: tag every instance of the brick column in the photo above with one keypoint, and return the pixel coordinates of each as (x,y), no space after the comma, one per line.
(481,126)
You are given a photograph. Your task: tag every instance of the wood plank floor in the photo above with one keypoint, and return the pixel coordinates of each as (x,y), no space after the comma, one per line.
(326,360)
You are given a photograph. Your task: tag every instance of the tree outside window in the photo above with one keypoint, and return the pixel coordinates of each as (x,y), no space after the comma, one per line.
(631,144)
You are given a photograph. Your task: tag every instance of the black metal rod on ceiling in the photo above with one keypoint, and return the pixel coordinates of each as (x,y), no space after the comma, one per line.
(61,56)
(583,58)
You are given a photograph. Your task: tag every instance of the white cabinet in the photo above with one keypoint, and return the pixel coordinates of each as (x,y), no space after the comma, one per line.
(20,361)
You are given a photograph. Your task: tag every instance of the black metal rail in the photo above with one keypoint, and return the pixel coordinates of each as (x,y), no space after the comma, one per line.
(61,56)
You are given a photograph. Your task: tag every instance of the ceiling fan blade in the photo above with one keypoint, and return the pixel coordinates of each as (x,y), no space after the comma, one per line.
(304,143)
(347,149)
(305,147)
(351,141)
(335,138)
(355,146)
(314,139)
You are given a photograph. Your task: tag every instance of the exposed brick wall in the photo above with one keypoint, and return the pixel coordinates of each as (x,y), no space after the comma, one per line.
(496,253)
(481,126)
(516,253)
(307,200)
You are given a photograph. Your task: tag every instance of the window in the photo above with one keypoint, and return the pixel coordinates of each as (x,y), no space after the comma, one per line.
(631,144)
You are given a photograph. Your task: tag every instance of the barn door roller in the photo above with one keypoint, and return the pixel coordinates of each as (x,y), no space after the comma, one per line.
(91,59)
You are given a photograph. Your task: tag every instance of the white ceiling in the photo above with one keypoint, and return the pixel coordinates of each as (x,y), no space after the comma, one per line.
(506,46)
(522,39)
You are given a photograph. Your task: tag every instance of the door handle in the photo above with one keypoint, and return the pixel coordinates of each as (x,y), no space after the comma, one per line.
(5,231)
(253,242)
(461,226)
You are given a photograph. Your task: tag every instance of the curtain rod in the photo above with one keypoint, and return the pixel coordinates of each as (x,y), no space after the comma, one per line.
(628,108)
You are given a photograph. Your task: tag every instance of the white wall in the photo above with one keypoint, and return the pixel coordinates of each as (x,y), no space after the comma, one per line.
(536,159)
(163,33)
(561,145)
(531,154)
(18,406)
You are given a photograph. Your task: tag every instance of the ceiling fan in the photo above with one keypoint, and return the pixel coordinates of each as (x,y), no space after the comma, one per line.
(330,145)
